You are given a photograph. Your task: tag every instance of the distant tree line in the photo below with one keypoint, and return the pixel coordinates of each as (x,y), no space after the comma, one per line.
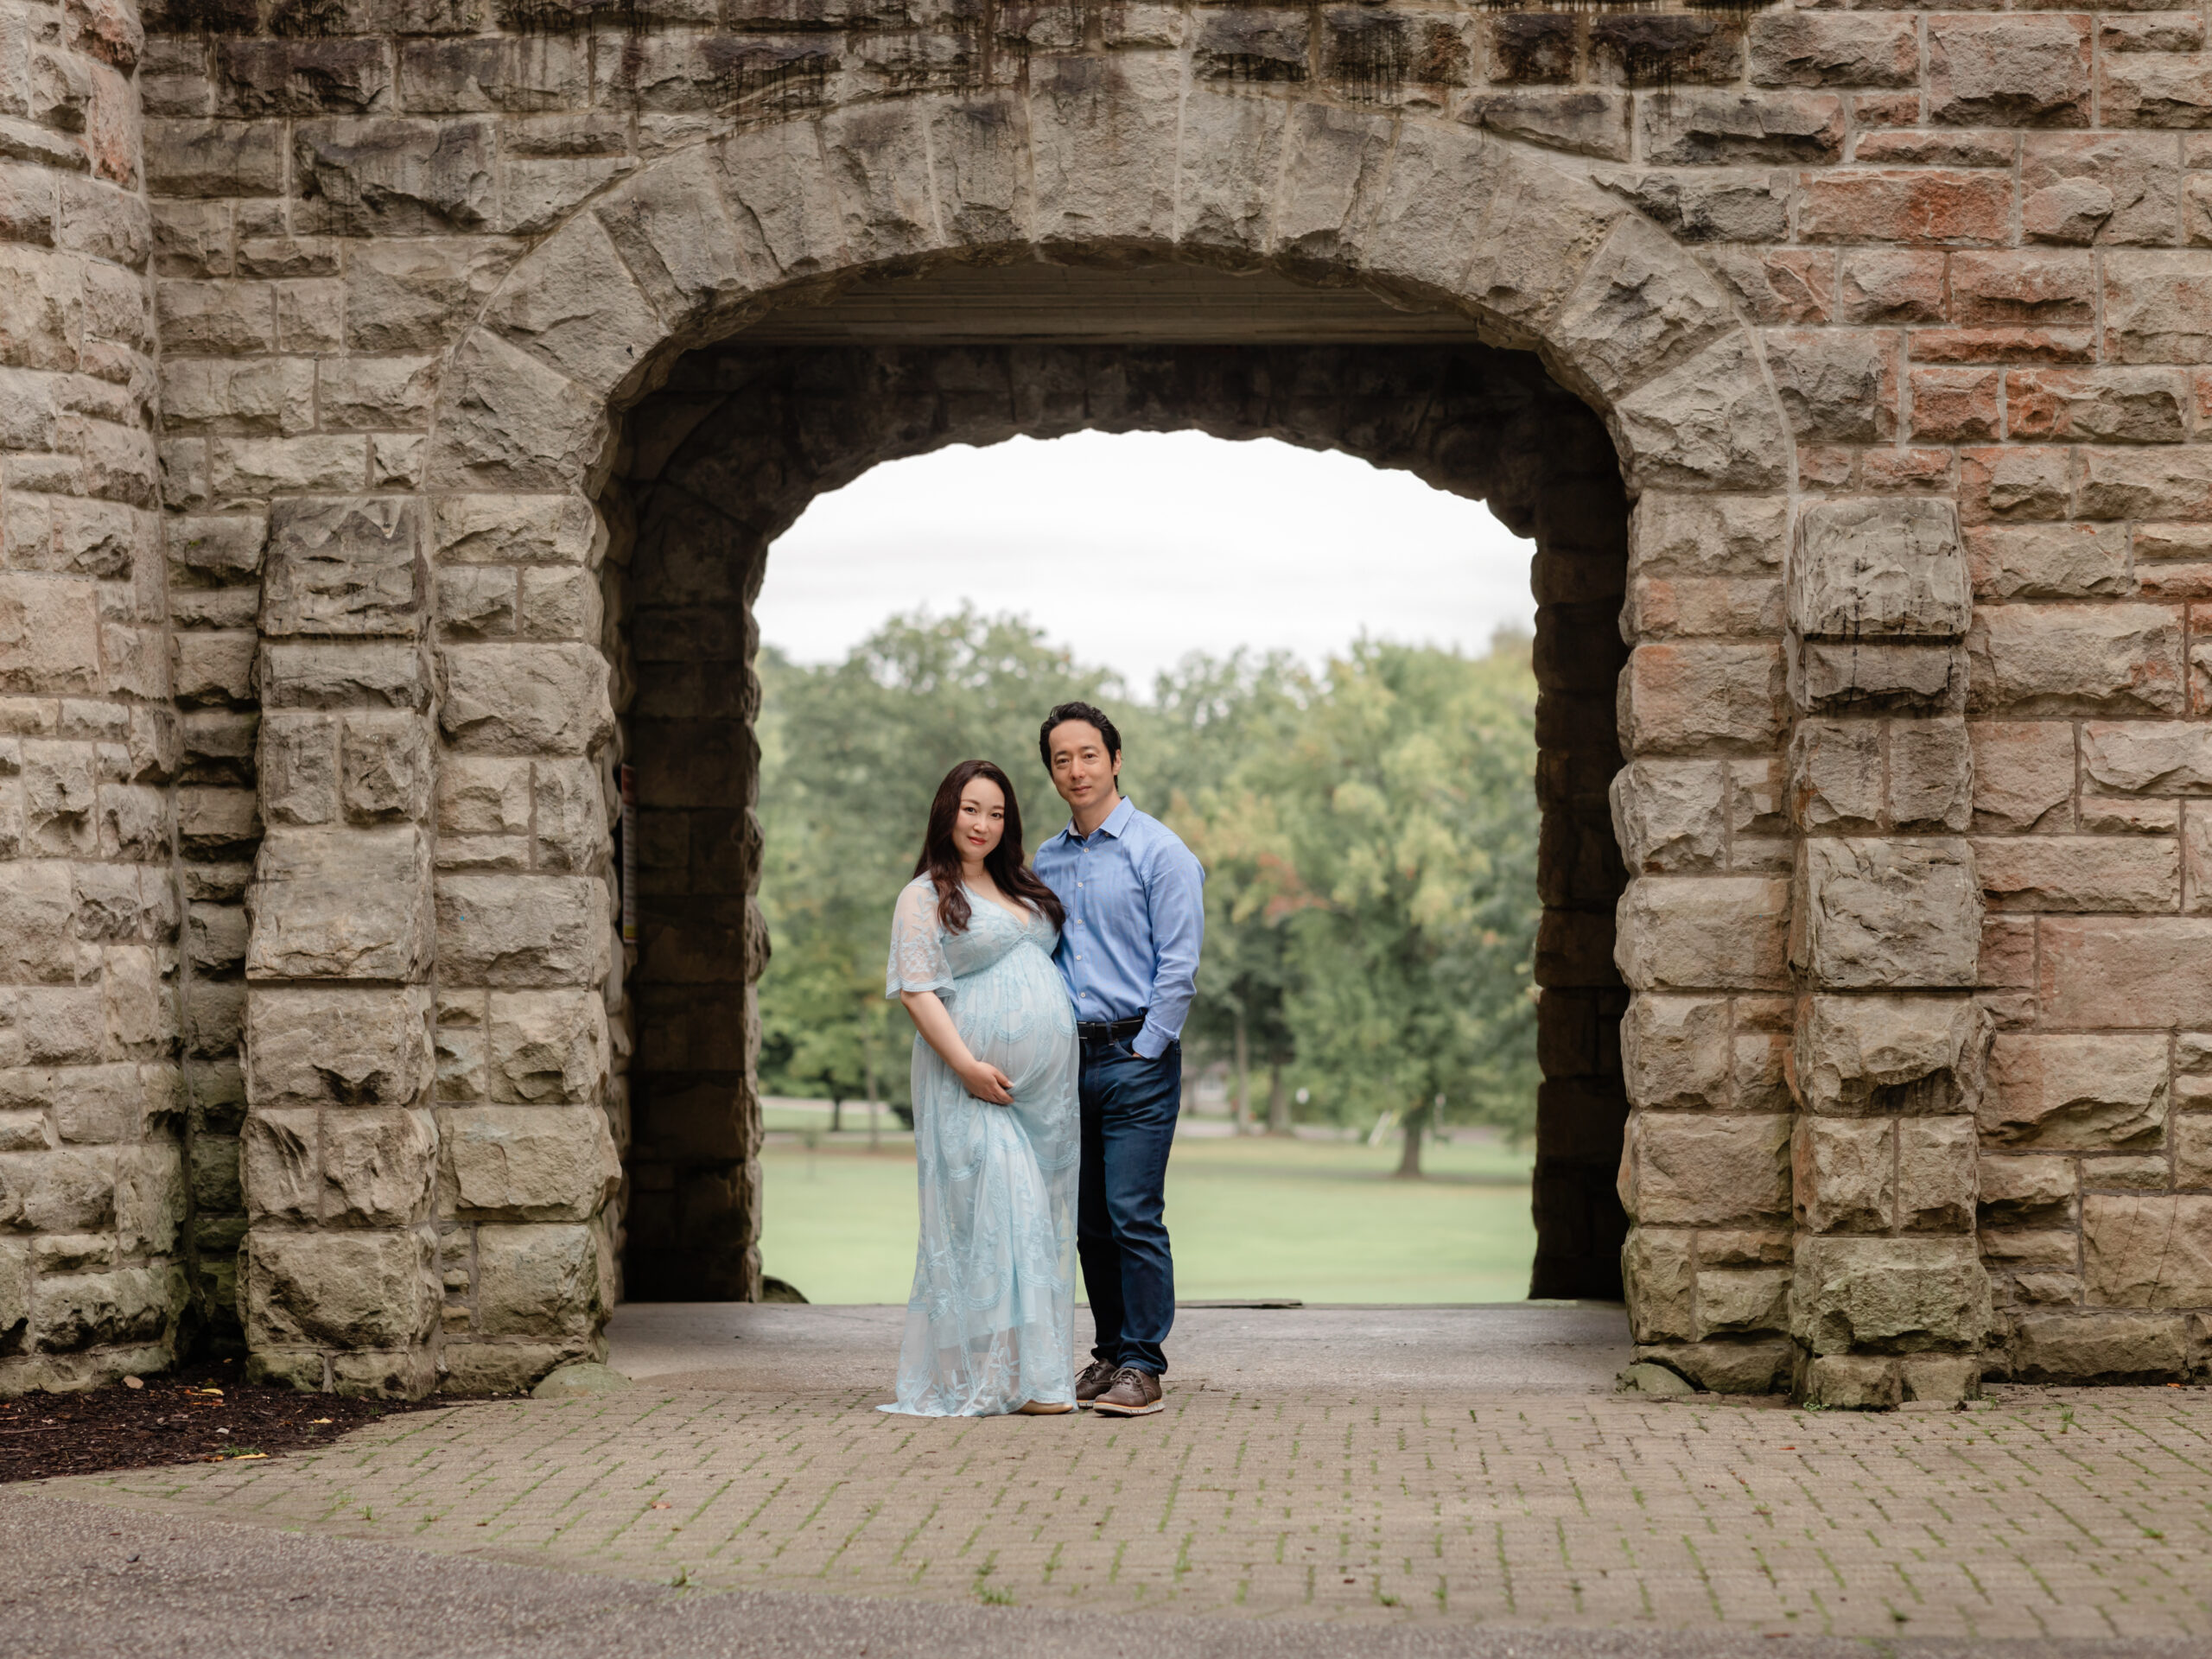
(1368,835)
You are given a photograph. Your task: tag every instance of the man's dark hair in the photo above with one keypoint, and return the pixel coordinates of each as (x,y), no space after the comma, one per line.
(1089,713)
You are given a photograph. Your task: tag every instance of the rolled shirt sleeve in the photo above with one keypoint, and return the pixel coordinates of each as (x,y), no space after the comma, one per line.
(1175,896)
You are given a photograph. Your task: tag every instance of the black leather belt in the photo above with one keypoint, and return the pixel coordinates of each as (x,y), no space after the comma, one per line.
(1108,1031)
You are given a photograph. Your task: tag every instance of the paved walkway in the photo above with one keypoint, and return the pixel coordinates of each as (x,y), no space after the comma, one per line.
(1300,1491)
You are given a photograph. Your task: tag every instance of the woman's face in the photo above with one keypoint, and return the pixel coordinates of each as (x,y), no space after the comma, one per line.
(981,820)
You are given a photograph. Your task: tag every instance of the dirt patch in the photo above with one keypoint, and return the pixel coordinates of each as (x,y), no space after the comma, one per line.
(202,1414)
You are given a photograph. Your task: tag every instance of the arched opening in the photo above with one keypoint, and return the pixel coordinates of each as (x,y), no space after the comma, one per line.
(714,464)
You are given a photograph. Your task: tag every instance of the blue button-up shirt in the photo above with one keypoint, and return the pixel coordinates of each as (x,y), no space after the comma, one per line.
(1136,899)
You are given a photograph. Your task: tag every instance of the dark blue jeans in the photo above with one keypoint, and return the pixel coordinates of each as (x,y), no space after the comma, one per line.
(1129,1108)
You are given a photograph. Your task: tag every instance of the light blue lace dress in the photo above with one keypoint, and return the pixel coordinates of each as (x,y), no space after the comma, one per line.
(991,1322)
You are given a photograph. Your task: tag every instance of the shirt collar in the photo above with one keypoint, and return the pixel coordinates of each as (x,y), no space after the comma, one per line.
(1117,824)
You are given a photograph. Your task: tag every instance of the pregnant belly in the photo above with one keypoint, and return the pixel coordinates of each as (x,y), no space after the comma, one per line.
(1015,1015)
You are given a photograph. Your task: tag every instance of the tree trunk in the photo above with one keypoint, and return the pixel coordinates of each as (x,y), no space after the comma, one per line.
(837,1113)
(1243,1080)
(1278,1102)
(1409,1151)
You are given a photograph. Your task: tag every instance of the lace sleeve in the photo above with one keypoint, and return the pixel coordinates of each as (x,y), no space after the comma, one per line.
(918,960)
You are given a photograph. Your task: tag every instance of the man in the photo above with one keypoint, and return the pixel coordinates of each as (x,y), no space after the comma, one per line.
(1135,918)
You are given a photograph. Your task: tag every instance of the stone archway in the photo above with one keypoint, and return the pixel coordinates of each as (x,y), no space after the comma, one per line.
(509,878)
(730,451)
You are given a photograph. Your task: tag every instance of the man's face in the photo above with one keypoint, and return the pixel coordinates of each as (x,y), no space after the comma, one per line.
(1083,770)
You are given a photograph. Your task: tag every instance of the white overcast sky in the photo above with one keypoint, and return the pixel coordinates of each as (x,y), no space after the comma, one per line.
(1134,548)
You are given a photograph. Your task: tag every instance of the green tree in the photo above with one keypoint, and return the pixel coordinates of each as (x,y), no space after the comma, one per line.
(1408,822)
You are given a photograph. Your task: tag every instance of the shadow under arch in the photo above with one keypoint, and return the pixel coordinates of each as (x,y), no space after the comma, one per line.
(727,452)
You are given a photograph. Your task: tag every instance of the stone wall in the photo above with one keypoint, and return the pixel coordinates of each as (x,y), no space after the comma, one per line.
(93,1104)
(1898,322)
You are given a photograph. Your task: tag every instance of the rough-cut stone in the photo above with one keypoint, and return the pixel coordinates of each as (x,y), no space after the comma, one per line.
(341,904)
(1884,1054)
(524,699)
(2023,774)
(359,1289)
(513,1163)
(1675,1052)
(344,568)
(2100,1347)
(1937,1181)
(540,1281)
(1873,914)
(522,931)
(1843,1174)
(1686,1170)
(1700,932)
(1667,814)
(2080,873)
(2092,1093)
(1878,569)
(2147,1250)
(1900,1294)
(337,1046)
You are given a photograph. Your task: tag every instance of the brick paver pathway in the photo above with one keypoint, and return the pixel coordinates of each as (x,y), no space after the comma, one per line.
(2058,1514)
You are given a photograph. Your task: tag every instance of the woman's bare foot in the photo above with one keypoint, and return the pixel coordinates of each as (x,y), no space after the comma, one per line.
(1044,1408)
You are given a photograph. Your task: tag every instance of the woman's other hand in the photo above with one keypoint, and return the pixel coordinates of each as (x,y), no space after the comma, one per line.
(987,1083)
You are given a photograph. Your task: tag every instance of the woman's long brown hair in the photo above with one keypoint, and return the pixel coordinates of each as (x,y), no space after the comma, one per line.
(1007,865)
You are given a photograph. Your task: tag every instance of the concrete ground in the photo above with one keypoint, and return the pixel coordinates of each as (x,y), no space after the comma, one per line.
(1326,1482)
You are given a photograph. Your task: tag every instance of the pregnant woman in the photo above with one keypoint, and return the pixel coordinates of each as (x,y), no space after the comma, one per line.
(990,1323)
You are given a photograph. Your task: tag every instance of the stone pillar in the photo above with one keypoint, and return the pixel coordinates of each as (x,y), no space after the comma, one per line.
(1890,1301)
(339,1148)
(1703,942)
(525,945)
(91,1186)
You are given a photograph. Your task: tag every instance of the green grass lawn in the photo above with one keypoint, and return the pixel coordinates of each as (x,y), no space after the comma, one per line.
(1321,1221)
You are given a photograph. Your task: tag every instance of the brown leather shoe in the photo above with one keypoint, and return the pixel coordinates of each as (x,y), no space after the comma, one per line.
(1092,1381)
(1134,1394)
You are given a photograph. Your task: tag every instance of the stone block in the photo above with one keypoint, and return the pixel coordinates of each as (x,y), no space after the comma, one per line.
(1900,1296)
(280,1166)
(49,636)
(1854,1382)
(344,674)
(345,567)
(1836,775)
(2026,1191)
(2193,1149)
(1930,775)
(541,931)
(2073,1092)
(1881,568)
(1703,932)
(386,768)
(478,1367)
(1879,914)
(1839,677)
(2147,757)
(540,1281)
(2099,1347)
(1936,1160)
(2030,71)
(2023,775)
(1659,1273)
(2147,1250)
(377,1168)
(1886,1055)
(508,530)
(296,764)
(341,904)
(1708,535)
(390,176)
(2154,307)
(520,1163)
(1701,697)
(548,1047)
(1675,1051)
(1843,1174)
(1742,1302)
(69,1190)
(130,1304)
(346,1290)
(335,1045)
(1667,814)
(391,1374)
(524,699)
(2080,873)
(1701,1170)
